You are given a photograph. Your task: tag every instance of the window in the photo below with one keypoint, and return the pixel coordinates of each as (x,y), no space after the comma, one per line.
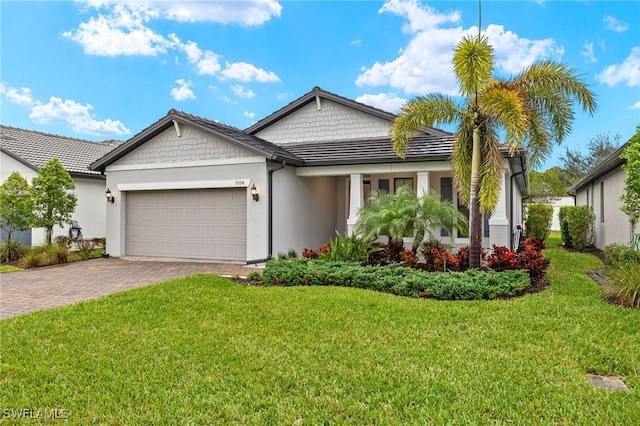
(601,202)
(486,225)
(366,190)
(383,185)
(587,197)
(398,182)
(446,194)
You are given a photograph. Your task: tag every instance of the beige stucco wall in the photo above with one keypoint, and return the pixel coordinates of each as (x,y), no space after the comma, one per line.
(332,122)
(303,213)
(613,226)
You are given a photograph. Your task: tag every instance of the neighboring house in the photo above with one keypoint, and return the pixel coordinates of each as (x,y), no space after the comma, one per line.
(557,203)
(601,189)
(183,185)
(26,151)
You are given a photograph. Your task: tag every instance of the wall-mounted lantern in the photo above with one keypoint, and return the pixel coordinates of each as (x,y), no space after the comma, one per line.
(254,192)
(110,197)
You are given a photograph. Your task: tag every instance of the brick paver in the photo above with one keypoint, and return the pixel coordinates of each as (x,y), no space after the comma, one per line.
(44,288)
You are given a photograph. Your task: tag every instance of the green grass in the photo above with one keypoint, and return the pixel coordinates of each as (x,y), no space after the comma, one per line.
(204,350)
(8,268)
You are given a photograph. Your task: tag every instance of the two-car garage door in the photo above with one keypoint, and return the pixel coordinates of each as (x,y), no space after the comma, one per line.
(190,223)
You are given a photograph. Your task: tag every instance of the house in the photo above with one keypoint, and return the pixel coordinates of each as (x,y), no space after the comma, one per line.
(601,189)
(26,151)
(189,187)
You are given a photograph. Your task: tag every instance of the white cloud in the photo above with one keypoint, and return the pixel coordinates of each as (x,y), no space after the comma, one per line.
(69,112)
(635,106)
(241,92)
(514,53)
(587,52)
(246,12)
(384,101)
(249,114)
(615,25)
(243,71)
(628,72)
(77,116)
(205,61)
(123,31)
(183,91)
(251,13)
(21,96)
(424,65)
(356,42)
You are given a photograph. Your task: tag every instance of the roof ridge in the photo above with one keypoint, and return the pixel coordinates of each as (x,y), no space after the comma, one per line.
(208,120)
(57,136)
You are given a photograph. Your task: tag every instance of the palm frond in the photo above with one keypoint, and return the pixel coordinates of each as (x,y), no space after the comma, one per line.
(507,106)
(472,64)
(419,113)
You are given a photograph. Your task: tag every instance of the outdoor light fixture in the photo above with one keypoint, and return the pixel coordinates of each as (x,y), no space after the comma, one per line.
(254,192)
(110,197)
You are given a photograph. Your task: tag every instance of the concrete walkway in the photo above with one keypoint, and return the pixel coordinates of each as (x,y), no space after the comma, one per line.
(43,288)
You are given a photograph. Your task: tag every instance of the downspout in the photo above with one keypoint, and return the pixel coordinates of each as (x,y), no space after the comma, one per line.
(269,215)
(511,179)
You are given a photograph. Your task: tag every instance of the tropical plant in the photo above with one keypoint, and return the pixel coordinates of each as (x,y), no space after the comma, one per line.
(15,205)
(631,196)
(534,109)
(53,199)
(404,214)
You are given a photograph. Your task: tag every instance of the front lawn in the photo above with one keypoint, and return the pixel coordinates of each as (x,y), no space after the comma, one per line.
(204,350)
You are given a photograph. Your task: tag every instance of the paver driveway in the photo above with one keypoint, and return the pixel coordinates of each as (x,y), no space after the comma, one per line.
(43,288)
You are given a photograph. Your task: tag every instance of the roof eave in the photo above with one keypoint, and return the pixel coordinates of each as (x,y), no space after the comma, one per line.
(18,158)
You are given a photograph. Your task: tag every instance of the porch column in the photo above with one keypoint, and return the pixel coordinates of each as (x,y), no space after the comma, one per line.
(499,232)
(356,201)
(423,183)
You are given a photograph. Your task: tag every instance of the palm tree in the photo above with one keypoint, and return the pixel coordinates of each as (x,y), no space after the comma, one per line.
(406,215)
(533,108)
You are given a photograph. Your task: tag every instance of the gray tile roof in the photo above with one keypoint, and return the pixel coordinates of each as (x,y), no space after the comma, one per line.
(35,149)
(367,151)
(229,133)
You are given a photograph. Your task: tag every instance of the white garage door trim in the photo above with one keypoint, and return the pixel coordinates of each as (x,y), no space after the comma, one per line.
(206,224)
(199,184)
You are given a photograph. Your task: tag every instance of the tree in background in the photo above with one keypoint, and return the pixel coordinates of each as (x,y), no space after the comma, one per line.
(631,196)
(577,165)
(15,205)
(53,201)
(548,186)
(534,108)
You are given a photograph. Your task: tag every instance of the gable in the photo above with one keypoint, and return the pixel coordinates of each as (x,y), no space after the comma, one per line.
(332,121)
(191,145)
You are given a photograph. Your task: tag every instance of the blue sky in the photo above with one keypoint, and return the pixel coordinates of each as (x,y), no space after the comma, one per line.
(101,69)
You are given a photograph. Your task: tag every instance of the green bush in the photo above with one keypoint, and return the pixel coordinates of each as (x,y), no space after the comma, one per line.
(11,251)
(612,253)
(84,247)
(629,255)
(46,255)
(564,226)
(580,221)
(539,219)
(347,249)
(395,279)
(625,284)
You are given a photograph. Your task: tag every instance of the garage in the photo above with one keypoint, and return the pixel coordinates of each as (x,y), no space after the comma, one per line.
(188,223)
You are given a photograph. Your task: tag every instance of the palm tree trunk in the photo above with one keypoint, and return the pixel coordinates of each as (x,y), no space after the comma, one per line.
(475,221)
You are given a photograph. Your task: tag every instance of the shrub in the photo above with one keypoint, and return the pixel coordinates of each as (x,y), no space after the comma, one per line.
(629,255)
(11,251)
(539,220)
(99,242)
(292,254)
(438,258)
(397,280)
(530,258)
(564,226)
(63,241)
(535,243)
(381,254)
(254,277)
(308,253)
(625,288)
(580,224)
(347,249)
(612,253)
(46,255)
